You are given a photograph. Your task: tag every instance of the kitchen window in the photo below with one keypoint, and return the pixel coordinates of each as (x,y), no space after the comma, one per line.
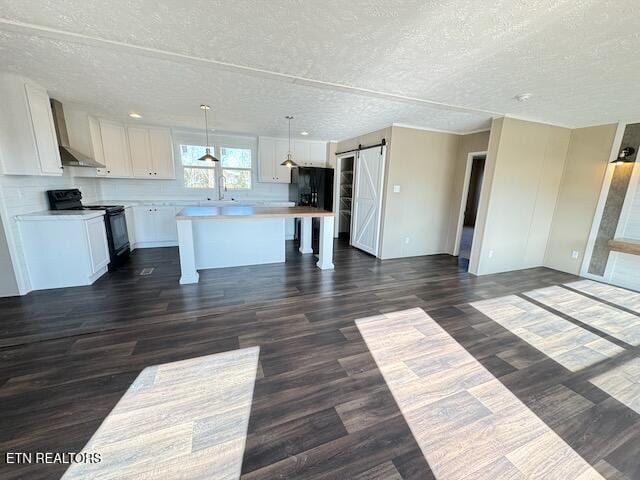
(236,167)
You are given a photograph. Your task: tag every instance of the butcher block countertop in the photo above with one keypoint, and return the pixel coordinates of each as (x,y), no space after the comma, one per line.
(247,212)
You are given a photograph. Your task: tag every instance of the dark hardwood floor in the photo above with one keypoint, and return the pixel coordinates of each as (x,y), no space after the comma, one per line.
(321,408)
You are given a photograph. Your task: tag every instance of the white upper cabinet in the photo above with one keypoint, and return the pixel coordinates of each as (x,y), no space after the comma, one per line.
(129,151)
(273,151)
(266,153)
(140,151)
(161,153)
(44,130)
(115,149)
(151,152)
(310,153)
(28,143)
(317,154)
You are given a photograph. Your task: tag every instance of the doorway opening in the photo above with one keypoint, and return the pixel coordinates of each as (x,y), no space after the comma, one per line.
(474,175)
(345,187)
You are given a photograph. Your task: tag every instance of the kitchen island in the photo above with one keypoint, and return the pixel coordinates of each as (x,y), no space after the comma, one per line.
(218,237)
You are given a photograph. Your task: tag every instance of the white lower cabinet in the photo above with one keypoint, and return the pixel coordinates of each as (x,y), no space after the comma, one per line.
(64,251)
(131,226)
(155,226)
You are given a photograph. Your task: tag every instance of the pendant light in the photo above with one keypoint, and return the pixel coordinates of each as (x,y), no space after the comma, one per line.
(289,161)
(207,157)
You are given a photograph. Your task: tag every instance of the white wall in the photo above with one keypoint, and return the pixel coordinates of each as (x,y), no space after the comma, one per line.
(522,177)
(416,220)
(584,170)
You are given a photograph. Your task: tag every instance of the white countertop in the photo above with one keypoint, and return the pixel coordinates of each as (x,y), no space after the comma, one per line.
(200,203)
(239,212)
(87,214)
(60,215)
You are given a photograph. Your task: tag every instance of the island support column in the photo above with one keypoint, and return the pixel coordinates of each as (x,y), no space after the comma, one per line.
(187,252)
(305,235)
(325,261)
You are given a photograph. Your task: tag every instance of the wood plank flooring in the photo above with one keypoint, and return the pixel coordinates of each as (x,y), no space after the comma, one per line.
(321,407)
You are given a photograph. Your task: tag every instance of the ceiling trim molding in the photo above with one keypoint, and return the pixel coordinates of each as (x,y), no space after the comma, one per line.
(438,130)
(426,129)
(39,30)
(536,120)
(480,130)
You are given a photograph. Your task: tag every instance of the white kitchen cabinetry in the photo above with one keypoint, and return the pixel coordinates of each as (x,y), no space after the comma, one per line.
(310,153)
(129,151)
(44,130)
(273,151)
(155,226)
(131,226)
(28,143)
(162,153)
(151,152)
(140,151)
(80,259)
(115,150)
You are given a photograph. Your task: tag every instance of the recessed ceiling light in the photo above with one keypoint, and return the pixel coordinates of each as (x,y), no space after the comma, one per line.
(304,133)
(135,115)
(523,97)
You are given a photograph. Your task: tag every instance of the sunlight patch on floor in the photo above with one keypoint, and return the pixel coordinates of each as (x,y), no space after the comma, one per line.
(185,419)
(571,346)
(616,295)
(465,421)
(619,324)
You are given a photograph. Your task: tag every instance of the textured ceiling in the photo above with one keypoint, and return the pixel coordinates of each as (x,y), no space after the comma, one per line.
(342,68)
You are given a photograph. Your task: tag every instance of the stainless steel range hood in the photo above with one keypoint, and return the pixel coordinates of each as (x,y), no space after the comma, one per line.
(68,155)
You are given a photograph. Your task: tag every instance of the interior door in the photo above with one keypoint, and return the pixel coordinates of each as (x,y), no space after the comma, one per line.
(367,200)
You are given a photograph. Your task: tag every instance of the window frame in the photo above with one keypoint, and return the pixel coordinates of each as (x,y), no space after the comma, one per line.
(250,169)
(216,147)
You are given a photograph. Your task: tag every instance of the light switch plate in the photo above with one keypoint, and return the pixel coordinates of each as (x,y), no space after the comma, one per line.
(396,189)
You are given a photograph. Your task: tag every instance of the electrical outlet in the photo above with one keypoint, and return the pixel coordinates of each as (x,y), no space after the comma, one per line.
(490,253)
(406,240)
(396,189)
(575,254)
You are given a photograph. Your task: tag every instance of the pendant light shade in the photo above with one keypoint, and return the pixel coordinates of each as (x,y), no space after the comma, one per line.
(289,160)
(207,157)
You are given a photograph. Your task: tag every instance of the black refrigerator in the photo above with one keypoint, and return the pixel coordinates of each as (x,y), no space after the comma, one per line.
(311,187)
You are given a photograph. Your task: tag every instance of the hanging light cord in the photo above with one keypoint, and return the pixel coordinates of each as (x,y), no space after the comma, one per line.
(289,136)
(206,126)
